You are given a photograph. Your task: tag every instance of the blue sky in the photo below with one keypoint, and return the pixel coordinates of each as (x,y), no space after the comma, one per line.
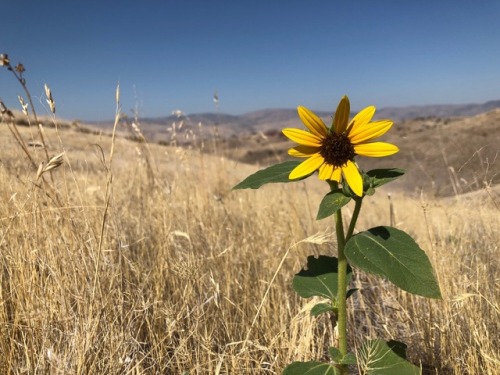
(170,55)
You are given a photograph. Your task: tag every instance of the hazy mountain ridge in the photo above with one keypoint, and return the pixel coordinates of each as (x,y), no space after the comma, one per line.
(439,110)
(183,128)
(252,121)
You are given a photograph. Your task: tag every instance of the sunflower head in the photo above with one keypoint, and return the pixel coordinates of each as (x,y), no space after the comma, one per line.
(332,151)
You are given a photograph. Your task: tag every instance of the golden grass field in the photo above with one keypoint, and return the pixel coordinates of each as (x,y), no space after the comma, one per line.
(152,265)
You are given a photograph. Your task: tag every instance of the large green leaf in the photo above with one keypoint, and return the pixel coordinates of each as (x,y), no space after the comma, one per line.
(379,177)
(331,203)
(394,255)
(319,279)
(273,174)
(377,357)
(311,368)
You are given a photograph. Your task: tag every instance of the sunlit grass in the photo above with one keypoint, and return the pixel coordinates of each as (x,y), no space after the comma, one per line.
(185,265)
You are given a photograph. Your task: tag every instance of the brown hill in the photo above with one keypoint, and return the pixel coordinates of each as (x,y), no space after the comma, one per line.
(226,126)
(441,156)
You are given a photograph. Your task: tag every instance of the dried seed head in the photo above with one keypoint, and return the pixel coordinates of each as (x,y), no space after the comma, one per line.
(23,104)
(178,113)
(136,128)
(50,99)
(20,68)
(4,59)
(117,94)
(4,110)
(40,170)
(53,163)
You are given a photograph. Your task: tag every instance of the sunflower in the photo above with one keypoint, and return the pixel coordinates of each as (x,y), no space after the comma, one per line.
(332,151)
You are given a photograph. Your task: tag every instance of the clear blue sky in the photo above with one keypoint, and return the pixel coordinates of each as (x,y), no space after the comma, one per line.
(257,54)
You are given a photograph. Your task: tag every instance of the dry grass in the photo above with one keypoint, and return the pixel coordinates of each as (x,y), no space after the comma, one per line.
(180,281)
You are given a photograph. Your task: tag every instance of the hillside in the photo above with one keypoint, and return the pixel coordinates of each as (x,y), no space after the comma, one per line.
(146,262)
(442,156)
(157,129)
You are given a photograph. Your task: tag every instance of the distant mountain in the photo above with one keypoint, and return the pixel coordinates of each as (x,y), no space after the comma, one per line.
(246,120)
(277,115)
(274,119)
(445,110)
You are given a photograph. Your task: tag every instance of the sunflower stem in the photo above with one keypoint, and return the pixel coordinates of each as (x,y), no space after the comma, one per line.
(342,290)
(354,219)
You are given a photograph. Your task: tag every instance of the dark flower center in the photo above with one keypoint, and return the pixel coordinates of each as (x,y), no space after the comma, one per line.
(337,149)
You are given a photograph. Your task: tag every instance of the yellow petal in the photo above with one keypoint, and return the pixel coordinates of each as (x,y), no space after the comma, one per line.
(326,171)
(330,172)
(306,167)
(361,119)
(370,131)
(312,122)
(342,115)
(302,137)
(336,175)
(353,177)
(375,149)
(302,151)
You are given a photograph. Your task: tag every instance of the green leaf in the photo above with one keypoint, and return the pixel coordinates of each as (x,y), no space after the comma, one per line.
(319,279)
(273,174)
(349,359)
(335,354)
(350,292)
(379,177)
(394,255)
(311,368)
(377,357)
(331,203)
(321,308)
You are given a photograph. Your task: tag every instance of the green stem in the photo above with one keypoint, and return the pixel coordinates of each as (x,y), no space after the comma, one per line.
(342,290)
(354,219)
(342,278)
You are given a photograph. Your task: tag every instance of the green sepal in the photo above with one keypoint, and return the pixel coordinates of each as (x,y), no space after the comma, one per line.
(377,357)
(322,308)
(331,203)
(394,255)
(274,174)
(311,368)
(319,279)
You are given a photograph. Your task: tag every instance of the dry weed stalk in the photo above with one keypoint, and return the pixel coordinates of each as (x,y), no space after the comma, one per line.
(18,72)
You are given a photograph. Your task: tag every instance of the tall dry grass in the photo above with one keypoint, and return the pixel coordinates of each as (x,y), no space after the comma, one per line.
(121,257)
(172,273)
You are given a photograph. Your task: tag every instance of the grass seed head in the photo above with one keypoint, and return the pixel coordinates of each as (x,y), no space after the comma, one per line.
(50,99)
(53,163)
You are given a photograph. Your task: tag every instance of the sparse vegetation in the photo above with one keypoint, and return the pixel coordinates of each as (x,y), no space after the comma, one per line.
(165,273)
